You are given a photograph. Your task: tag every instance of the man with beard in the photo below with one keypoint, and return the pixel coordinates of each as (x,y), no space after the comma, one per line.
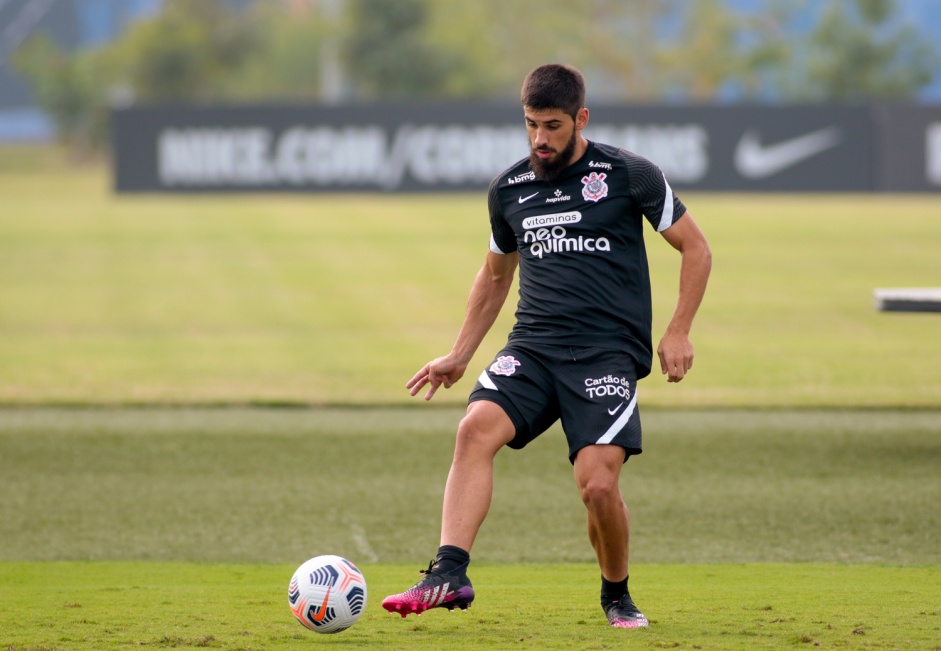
(571,216)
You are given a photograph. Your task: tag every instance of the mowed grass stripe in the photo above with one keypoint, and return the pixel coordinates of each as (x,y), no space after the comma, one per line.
(278,485)
(100,606)
(339,299)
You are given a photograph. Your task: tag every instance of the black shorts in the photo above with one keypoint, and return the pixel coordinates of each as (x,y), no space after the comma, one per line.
(593,391)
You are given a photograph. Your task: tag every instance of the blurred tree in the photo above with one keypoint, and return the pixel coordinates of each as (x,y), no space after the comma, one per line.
(387,55)
(616,44)
(631,48)
(286,60)
(767,50)
(327,50)
(858,51)
(67,88)
(186,51)
(706,55)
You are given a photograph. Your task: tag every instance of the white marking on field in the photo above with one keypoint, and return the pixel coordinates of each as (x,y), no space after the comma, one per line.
(365,550)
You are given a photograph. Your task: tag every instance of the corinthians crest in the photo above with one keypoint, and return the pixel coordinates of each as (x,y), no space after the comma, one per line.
(595,188)
(504,365)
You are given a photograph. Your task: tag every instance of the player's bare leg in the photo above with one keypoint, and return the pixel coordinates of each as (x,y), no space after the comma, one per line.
(597,471)
(483,431)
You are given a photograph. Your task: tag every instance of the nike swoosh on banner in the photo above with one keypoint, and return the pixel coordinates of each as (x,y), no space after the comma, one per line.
(522,199)
(756,161)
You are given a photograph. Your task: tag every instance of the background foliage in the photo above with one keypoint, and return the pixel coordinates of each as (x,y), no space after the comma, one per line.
(349,50)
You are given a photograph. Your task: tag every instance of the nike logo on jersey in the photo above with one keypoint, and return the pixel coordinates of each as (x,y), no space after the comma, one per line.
(612,412)
(756,161)
(524,199)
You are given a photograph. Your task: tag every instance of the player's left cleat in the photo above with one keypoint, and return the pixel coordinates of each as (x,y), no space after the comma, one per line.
(624,614)
(436,590)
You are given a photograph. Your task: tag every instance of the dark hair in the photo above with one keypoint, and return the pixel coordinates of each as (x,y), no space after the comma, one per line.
(554,86)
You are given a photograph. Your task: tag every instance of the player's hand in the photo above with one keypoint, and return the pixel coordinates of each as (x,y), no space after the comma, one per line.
(440,371)
(676,356)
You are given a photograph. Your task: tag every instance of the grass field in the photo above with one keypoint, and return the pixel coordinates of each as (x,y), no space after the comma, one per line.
(252,485)
(338,299)
(787,498)
(105,606)
(179,528)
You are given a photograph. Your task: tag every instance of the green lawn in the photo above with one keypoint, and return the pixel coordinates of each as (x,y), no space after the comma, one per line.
(787,497)
(180,528)
(105,606)
(328,299)
(262,485)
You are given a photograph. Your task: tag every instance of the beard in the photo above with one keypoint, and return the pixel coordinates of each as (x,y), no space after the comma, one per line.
(550,170)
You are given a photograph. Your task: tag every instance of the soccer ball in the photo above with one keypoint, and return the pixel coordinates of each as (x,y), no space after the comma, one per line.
(327,594)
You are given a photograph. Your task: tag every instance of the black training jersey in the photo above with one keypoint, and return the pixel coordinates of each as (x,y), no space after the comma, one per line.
(583,275)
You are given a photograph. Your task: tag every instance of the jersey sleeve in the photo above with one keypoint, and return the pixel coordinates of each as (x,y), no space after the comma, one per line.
(502,238)
(653,194)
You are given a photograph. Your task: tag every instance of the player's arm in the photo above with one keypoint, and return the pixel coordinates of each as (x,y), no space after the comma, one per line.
(675,350)
(487,296)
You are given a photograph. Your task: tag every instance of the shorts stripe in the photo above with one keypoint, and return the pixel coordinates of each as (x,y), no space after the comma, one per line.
(486,382)
(619,424)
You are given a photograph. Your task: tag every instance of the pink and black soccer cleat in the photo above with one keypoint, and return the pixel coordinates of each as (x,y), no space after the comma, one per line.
(436,590)
(624,614)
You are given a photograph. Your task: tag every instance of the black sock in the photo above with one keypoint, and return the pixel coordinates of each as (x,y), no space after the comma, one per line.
(612,590)
(452,560)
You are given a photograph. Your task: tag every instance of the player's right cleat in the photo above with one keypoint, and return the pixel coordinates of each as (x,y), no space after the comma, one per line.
(436,590)
(624,614)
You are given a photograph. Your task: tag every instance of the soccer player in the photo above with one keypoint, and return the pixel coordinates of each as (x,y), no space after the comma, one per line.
(571,216)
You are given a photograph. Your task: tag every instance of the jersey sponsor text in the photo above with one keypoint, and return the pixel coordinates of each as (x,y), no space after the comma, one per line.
(609,385)
(521,178)
(556,240)
(554,219)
